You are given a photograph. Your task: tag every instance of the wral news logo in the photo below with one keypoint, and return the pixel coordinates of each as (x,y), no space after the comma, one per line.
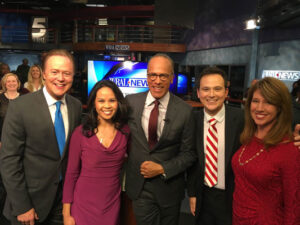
(130,82)
(282,74)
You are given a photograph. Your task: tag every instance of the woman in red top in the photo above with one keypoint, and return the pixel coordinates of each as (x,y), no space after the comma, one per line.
(267,166)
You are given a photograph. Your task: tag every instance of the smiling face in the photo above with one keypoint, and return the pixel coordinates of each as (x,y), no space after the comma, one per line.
(262,112)
(106,104)
(11,83)
(58,75)
(212,93)
(35,73)
(159,66)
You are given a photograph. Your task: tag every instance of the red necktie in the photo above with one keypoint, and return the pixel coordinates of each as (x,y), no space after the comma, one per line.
(152,127)
(211,154)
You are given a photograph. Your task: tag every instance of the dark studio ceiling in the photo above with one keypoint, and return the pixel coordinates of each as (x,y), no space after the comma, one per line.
(81,9)
(279,13)
(273,13)
(73,4)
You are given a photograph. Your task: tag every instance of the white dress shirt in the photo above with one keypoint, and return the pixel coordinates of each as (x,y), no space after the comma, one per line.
(220,125)
(52,108)
(162,109)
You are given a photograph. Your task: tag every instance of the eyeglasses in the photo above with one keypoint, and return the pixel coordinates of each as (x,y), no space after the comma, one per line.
(162,77)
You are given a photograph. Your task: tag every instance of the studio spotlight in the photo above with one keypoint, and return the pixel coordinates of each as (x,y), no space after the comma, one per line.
(252,24)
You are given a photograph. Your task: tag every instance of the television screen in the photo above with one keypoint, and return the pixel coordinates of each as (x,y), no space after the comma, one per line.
(182,84)
(193,80)
(131,77)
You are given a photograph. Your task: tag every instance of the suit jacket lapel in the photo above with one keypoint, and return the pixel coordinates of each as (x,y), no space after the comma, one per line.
(200,138)
(71,115)
(45,113)
(170,117)
(138,119)
(71,118)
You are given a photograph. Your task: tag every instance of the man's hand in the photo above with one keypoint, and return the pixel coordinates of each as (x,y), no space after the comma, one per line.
(193,205)
(28,218)
(151,169)
(297,135)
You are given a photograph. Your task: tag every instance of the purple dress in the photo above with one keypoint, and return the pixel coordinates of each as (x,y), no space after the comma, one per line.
(92,182)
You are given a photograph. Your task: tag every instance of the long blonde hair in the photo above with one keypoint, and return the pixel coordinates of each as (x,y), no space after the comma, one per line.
(30,86)
(277,94)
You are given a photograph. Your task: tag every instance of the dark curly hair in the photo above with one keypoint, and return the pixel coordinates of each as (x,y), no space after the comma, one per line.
(91,122)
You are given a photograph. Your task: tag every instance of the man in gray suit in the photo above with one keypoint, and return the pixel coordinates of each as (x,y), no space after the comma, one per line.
(156,165)
(33,162)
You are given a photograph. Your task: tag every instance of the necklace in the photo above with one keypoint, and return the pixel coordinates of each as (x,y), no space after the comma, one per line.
(11,96)
(248,160)
(105,137)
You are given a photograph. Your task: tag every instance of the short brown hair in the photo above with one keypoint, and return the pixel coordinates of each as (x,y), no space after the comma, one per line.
(58,52)
(276,93)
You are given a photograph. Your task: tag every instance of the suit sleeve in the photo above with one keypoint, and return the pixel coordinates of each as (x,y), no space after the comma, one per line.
(192,176)
(187,154)
(11,154)
(77,111)
(193,171)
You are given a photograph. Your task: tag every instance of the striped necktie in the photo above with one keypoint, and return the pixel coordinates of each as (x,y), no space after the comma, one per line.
(211,154)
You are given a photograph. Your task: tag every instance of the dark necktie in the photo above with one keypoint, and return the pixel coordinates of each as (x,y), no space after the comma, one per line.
(59,128)
(152,128)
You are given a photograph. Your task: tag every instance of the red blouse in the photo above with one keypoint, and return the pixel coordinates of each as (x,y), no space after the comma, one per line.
(267,188)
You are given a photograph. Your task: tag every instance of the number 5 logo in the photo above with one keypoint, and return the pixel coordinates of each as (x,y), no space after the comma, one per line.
(39,27)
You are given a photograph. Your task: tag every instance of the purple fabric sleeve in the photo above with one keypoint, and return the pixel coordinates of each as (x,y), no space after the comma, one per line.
(74,166)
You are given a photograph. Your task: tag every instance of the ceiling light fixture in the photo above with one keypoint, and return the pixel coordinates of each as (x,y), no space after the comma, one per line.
(253,24)
(95,5)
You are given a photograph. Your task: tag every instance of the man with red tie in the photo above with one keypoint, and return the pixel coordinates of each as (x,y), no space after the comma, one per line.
(210,183)
(161,148)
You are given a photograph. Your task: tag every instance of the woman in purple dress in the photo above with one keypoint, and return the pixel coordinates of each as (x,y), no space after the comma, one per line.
(91,194)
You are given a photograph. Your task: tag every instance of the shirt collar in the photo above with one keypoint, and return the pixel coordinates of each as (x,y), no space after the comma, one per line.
(163,101)
(50,100)
(219,116)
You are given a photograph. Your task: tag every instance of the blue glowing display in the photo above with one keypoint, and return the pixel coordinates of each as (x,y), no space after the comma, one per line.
(131,77)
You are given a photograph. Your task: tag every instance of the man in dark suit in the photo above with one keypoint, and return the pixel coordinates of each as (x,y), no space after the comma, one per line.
(157,160)
(22,71)
(210,183)
(4,69)
(33,159)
